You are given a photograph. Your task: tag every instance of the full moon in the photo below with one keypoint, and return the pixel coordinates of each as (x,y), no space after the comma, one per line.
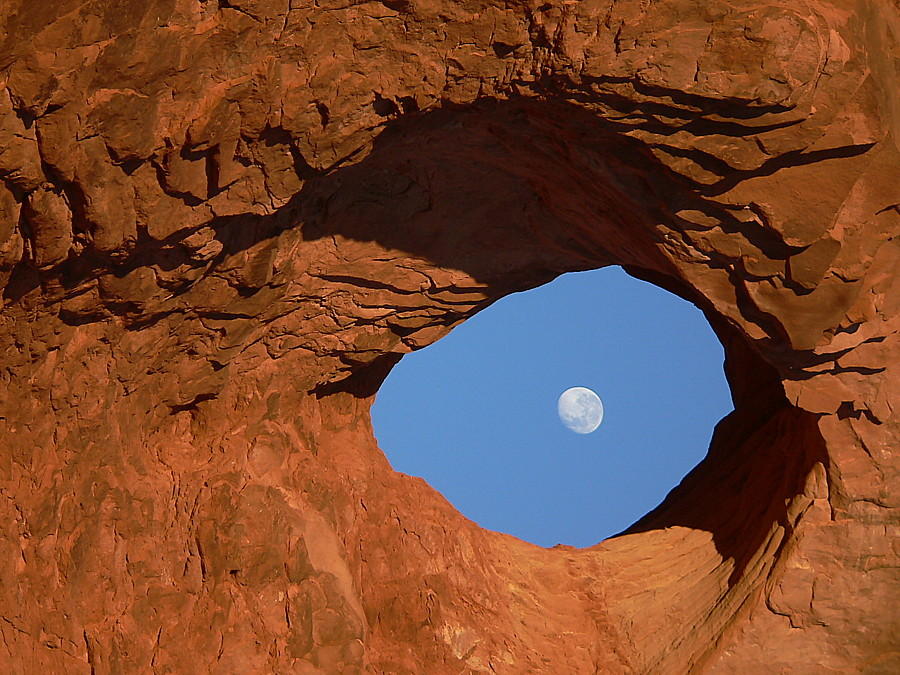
(580,409)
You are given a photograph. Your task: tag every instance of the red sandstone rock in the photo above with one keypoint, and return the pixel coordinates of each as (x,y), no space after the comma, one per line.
(221,223)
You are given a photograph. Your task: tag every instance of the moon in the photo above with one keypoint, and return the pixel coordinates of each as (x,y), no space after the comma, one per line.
(580,409)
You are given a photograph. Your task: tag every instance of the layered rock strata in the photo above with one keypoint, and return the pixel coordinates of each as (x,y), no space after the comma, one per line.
(221,224)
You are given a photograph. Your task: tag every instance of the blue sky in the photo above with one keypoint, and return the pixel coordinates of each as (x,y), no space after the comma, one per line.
(475,413)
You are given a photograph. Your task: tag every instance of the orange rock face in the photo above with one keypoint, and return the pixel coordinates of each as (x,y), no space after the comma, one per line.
(221,223)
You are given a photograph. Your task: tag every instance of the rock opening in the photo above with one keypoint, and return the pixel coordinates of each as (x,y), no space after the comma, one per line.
(475,413)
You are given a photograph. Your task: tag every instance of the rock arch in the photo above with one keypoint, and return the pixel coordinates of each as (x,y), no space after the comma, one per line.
(224,222)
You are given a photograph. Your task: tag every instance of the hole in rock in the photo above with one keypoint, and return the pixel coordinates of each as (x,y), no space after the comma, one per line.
(475,414)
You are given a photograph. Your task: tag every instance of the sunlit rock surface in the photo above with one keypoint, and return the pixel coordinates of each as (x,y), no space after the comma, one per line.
(222,222)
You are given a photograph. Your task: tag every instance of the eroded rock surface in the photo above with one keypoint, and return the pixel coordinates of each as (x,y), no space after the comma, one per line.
(221,223)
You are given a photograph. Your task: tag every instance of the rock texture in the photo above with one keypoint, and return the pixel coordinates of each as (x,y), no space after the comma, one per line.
(222,222)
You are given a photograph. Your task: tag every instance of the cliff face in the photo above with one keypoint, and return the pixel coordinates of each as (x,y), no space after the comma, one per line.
(221,223)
